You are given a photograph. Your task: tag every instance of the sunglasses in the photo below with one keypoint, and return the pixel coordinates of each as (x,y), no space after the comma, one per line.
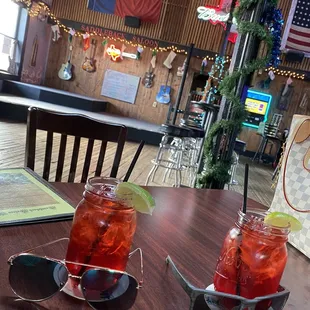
(37,278)
(211,300)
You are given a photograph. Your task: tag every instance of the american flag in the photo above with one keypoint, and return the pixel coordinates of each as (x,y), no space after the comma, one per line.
(297,31)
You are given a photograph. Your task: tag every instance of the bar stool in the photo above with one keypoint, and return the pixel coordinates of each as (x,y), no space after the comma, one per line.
(177,152)
(240,147)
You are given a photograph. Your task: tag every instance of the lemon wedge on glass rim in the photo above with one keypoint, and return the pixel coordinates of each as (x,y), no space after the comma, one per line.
(282,220)
(136,197)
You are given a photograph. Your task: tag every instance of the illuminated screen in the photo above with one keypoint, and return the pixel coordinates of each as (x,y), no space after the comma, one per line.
(256,106)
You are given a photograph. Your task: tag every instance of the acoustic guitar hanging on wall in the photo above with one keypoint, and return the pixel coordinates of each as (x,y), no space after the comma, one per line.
(163,95)
(89,65)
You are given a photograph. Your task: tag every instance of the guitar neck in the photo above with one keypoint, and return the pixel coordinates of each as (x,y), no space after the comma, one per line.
(93,49)
(70,54)
(167,79)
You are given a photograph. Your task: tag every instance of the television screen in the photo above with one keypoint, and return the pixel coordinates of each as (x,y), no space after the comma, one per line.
(257,105)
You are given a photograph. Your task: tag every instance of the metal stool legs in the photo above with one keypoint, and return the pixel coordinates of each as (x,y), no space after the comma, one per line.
(233,170)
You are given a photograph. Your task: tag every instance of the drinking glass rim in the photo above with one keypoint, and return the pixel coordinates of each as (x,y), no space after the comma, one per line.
(243,218)
(91,188)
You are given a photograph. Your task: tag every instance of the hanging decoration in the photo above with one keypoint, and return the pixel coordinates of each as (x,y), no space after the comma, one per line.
(292,74)
(114,52)
(204,63)
(39,11)
(215,170)
(216,75)
(107,34)
(304,103)
(56,33)
(71,34)
(139,51)
(154,58)
(169,60)
(181,69)
(117,54)
(59,25)
(265,84)
(86,41)
(123,50)
(286,94)
(275,22)
(105,45)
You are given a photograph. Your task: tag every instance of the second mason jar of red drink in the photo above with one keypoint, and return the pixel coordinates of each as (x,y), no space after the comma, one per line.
(252,259)
(102,231)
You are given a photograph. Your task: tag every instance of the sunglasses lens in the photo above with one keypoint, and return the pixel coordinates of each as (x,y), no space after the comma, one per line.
(36,278)
(109,290)
(275,303)
(206,302)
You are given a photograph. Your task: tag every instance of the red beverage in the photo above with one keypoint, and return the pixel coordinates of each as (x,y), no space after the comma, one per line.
(252,259)
(102,231)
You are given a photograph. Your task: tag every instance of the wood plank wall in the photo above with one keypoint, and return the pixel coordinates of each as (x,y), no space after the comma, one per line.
(178,22)
(90,84)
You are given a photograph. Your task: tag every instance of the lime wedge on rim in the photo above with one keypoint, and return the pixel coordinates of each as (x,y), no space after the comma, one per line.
(282,220)
(137,197)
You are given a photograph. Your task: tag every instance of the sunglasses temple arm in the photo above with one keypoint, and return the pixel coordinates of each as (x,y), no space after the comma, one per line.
(38,247)
(141,264)
(187,287)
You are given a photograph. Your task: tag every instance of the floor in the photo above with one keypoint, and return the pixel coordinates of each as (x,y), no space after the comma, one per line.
(12,148)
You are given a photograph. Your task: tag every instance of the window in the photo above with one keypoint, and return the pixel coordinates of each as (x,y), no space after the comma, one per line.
(9,22)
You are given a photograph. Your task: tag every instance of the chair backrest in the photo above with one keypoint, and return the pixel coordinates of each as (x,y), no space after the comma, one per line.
(78,126)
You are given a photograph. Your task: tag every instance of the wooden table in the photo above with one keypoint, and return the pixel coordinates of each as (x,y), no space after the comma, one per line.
(188,224)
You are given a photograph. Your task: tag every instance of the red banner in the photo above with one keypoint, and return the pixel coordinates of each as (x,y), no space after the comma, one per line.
(147,10)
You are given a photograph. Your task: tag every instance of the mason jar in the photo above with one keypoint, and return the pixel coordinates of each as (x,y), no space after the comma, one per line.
(253,257)
(102,230)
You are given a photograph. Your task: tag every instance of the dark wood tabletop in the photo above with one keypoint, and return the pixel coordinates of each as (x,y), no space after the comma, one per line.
(188,224)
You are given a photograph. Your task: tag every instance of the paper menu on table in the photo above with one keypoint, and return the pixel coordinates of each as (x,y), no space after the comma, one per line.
(27,198)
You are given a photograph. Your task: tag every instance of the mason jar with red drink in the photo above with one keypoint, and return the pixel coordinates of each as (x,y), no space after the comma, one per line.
(102,231)
(252,259)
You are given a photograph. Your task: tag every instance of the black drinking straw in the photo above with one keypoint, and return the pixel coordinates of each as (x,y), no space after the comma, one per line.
(245,188)
(245,198)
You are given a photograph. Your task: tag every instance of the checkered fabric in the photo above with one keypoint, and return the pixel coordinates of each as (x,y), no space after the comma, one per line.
(297,186)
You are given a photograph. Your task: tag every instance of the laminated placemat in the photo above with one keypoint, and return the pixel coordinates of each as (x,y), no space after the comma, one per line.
(27,198)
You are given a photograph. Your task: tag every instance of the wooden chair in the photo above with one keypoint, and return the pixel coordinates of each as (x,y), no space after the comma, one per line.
(78,126)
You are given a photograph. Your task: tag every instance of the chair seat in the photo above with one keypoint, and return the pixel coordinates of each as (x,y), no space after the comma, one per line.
(175,131)
(182,132)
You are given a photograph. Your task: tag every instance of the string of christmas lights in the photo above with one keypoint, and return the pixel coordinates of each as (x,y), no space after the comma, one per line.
(36,8)
(292,74)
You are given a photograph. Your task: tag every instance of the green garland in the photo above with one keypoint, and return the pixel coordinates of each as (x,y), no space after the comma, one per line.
(217,171)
